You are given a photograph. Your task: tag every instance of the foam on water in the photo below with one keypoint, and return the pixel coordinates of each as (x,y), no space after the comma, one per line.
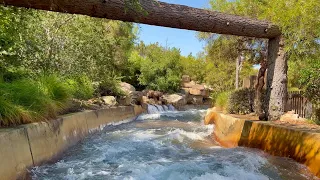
(160,146)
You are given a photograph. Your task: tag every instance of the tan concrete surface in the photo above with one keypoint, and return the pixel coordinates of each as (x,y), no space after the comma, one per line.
(15,155)
(37,143)
(302,146)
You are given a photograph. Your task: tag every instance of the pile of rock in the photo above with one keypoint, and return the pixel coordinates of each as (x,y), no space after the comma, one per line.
(196,94)
(191,93)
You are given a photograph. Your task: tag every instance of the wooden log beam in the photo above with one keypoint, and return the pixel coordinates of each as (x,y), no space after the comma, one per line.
(159,14)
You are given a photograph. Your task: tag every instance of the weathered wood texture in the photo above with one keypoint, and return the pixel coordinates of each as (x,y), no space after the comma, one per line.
(160,14)
(276,79)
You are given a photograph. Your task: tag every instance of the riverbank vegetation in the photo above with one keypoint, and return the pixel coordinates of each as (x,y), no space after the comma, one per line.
(47,59)
(299,24)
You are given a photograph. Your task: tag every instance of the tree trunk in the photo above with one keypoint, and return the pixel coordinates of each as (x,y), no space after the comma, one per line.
(158,13)
(238,69)
(259,87)
(276,79)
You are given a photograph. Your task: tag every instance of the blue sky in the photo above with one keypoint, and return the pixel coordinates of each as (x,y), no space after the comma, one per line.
(185,40)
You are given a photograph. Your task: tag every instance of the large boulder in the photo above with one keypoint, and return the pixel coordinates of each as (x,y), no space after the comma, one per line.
(109,100)
(186,78)
(154,95)
(177,100)
(198,92)
(134,97)
(188,84)
(196,100)
(126,87)
(185,91)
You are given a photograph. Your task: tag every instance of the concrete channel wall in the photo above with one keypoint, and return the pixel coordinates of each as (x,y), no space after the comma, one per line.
(300,145)
(34,144)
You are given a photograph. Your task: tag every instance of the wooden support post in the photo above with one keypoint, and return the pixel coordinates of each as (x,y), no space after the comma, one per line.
(276,79)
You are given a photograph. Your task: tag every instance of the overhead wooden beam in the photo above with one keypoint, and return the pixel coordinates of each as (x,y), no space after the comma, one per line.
(159,14)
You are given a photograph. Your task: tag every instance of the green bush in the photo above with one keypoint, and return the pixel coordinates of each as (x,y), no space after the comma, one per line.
(241,101)
(82,87)
(160,68)
(13,74)
(222,100)
(110,86)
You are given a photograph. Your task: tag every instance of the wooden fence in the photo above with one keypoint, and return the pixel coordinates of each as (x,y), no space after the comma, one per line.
(299,104)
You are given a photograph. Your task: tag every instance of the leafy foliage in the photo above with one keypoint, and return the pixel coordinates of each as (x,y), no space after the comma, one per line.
(160,68)
(241,101)
(81,87)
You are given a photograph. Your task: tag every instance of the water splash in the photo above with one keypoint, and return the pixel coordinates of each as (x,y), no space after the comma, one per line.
(153,109)
(167,145)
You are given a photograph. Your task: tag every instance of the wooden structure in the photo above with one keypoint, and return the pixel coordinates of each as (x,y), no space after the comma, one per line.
(184,17)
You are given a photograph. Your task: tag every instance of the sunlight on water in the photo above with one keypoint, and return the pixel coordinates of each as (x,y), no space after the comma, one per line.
(165,145)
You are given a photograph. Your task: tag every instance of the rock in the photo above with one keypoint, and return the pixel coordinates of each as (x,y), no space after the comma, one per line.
(134,97)
(176,100)
(198,92)
(197,100)
(125,100)
(198,86)
(109,100)
(137,97)
(186,78)
(185,91)
(154,95)
(126,87)
(145,100)
(207,101)
(188,84)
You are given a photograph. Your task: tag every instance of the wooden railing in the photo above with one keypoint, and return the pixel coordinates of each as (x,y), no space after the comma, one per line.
(299,104)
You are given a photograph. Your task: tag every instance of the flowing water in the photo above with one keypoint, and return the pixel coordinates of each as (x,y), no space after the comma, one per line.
(165,145)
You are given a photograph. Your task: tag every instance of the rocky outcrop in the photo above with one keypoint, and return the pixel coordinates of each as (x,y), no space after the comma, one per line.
(126,87)
(109,100)
(196,100)
(176,100)
(131,96)
(196,94)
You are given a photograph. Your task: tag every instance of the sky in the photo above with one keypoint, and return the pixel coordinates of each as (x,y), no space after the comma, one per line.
(185,40)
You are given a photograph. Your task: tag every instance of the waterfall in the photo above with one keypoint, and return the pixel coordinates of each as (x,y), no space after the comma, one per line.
(153,109)
(171,108)
(165,108)
(160,108)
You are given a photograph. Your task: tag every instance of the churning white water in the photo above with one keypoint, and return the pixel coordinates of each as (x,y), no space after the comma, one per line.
(165,145)
(153,109)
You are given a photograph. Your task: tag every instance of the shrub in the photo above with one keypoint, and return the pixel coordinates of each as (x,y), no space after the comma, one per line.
(110,86)
(13,74)
(241,101)
(222,100)
(82,87)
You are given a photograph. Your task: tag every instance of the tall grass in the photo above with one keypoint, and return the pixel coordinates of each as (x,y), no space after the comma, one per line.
(27,100)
